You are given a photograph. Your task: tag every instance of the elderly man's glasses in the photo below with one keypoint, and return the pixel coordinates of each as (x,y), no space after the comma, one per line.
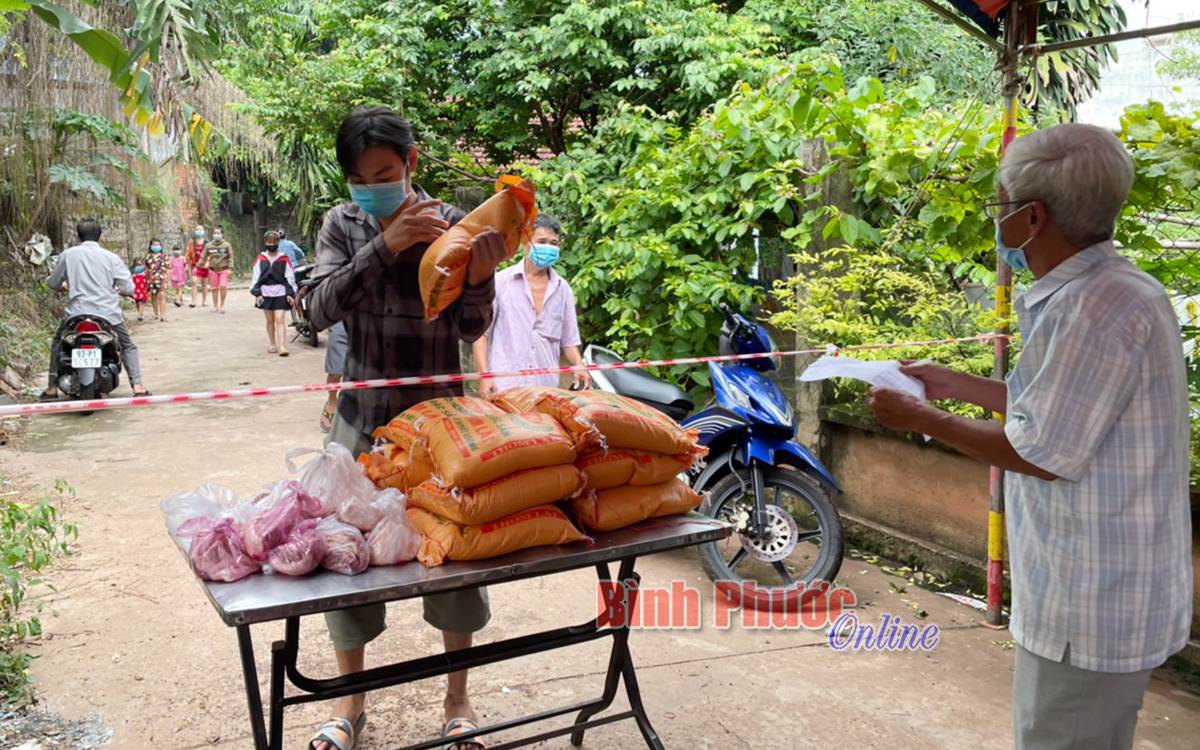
(993,209)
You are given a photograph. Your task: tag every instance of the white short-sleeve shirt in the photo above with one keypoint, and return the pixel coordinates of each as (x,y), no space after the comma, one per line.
(1100,558)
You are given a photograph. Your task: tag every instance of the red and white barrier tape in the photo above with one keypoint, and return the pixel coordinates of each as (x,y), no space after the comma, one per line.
(285,390)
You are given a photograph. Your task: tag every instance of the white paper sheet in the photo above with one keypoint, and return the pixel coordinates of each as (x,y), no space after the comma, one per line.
(881,373)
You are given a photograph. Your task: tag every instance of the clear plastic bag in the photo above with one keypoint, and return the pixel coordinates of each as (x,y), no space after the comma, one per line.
(279,511)
(393,540)
(208,501)
(346,549)
(217,552)
(340,482)
(301,553)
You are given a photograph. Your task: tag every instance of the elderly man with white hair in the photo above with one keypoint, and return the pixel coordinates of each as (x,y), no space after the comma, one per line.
(1095,445)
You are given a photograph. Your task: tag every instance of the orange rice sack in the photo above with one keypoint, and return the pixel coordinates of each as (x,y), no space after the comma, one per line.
(472,451)
(543,526)
(524,399)
(389,465)
(619,507)
(619,467)
(405,429)
(503,497)
(444,265)
(601,419)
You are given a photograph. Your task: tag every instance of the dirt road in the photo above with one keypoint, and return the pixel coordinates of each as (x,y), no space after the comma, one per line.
(136,644)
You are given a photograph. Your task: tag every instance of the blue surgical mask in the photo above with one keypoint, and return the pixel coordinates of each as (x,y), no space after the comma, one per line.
(544,256)
(1013,256)
(156,248)
(199,232)
(380,200)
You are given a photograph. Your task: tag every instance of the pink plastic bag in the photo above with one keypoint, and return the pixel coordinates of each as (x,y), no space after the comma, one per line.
(217,552)
(341,483)
(346,549)
(301,552)
(280,510)
(393,539)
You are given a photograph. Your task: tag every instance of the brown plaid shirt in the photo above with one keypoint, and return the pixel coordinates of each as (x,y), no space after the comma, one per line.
(377,294)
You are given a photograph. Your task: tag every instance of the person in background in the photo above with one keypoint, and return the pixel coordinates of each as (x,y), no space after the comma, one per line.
(533,318)
(199,274)
(274,288)
(94,280)
(179,274)
(157,276)
(217,260)
(1095,445)
(290,249)
(141,289)
(335,366)
(369,258)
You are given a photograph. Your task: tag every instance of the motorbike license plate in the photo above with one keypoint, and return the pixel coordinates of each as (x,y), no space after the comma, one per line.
(86,359)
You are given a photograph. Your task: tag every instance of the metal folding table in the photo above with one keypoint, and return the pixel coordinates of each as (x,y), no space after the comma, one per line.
(260,599)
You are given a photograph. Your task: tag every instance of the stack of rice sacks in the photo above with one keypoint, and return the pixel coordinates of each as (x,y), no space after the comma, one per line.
(481,482)
(630,454)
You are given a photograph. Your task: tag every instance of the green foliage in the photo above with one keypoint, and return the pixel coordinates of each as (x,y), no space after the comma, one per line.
(31,535)
(80,180)
(896,41)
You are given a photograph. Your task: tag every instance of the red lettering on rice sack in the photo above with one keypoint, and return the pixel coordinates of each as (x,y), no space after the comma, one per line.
(619,507)
(597,419)
(473,451)
(406,428)
(503,497)
(621,466)
(442,539)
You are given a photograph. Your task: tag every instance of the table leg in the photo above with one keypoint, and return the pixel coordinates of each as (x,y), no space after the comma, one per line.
(619,659)
(253,694)
(635,704)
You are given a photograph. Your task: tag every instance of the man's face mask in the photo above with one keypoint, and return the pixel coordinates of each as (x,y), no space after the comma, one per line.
(381,199)
(544,256)
(1013,256)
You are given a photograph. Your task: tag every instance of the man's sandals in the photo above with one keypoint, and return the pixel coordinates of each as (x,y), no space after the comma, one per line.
(457,727)
(339,733)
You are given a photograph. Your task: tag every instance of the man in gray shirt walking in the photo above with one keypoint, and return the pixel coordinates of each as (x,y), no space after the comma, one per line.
(95,279)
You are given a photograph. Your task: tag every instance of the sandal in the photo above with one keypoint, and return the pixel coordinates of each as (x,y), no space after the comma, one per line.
(284,352)
(342,727)
(327,415)
(457,727)
(272,350)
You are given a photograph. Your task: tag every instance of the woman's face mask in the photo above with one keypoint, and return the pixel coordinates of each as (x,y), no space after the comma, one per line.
(156,248)
(218,236)
(200,233)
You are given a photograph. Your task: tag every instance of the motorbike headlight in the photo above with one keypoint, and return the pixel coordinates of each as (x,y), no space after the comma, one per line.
(740,398)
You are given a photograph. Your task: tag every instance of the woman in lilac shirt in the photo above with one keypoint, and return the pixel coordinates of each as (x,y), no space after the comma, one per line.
(533,320)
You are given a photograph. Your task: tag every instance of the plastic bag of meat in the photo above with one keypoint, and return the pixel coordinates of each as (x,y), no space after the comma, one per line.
(340,482)
(394,540)
(208,501)
(217,552)
(279,511)
(346,549)
(301,552)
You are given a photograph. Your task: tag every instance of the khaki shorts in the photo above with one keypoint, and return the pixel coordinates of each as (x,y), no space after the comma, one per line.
(465,611)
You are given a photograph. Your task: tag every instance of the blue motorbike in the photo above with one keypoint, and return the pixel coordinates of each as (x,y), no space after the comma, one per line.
(770,488)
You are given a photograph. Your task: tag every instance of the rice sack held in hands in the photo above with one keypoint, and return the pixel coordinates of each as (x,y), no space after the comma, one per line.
(369,254)
(446,263)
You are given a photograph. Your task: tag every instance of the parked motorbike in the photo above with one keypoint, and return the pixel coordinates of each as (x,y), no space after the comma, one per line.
(769,487)
(300,320)
(89,359)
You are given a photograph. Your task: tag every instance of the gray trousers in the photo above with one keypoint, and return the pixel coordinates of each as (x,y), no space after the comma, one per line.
(1060,707)
(129,354)
(465,611)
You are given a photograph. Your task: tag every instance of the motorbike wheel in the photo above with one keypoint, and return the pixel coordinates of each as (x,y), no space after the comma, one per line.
(87,393)
(804,543)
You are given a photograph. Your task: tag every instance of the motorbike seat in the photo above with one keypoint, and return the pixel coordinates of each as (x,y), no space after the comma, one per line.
(639,384)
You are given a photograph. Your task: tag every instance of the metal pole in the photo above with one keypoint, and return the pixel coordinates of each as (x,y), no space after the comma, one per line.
(1011,89)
